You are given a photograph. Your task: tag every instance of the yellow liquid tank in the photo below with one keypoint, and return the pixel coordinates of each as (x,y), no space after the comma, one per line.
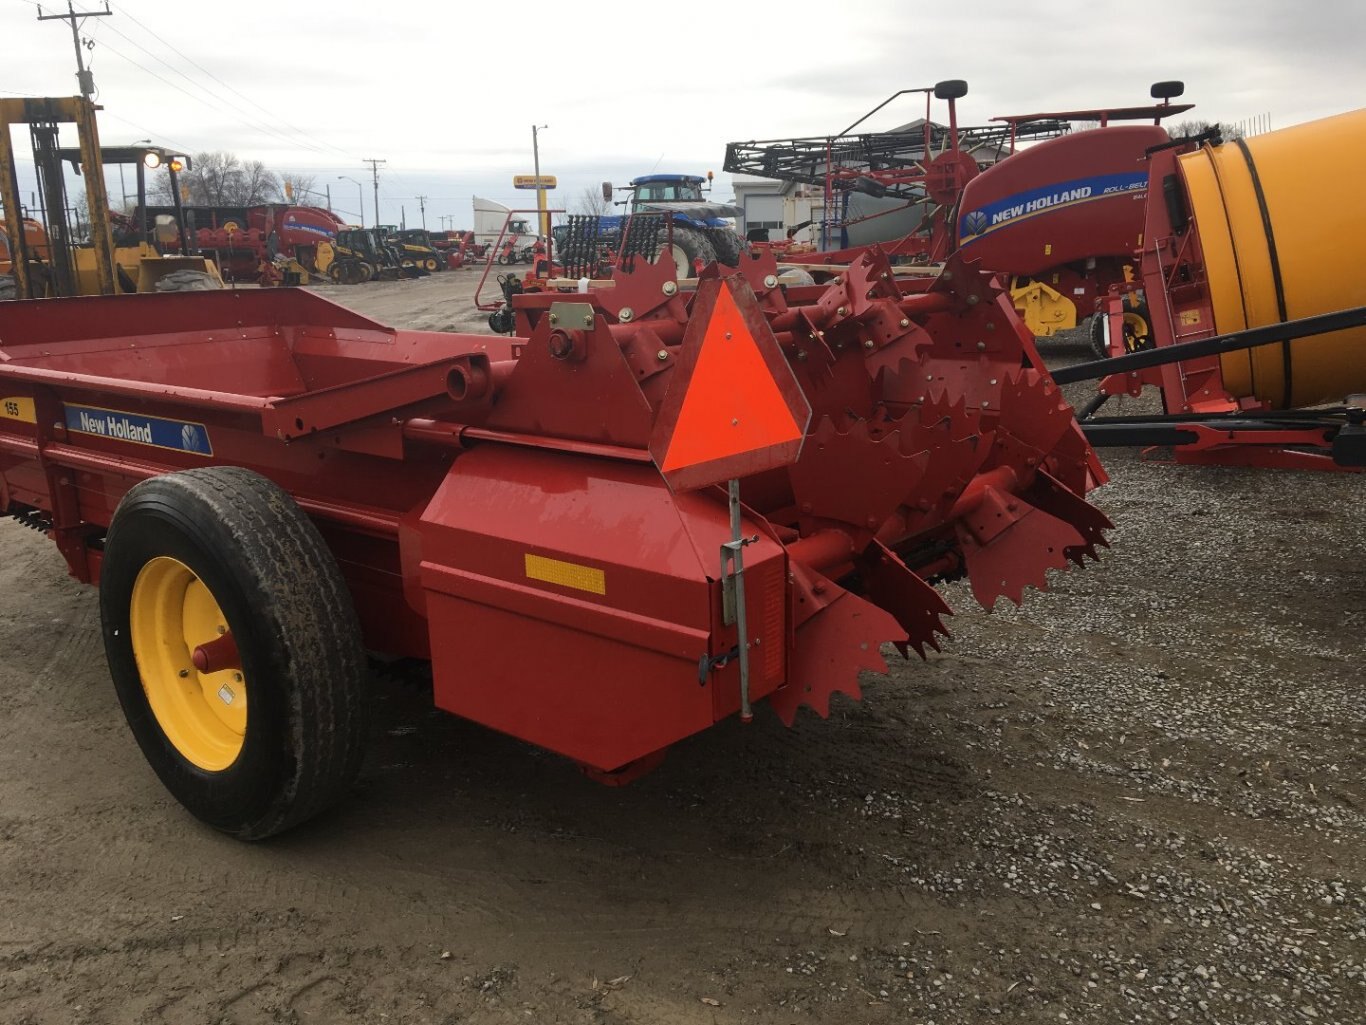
(1282,221)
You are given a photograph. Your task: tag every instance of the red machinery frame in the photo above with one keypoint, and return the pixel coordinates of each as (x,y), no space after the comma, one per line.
(494,506)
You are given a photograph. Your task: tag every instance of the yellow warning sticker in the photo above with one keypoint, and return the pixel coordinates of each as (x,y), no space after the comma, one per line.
(566,574)
(18,407)
(1188,317)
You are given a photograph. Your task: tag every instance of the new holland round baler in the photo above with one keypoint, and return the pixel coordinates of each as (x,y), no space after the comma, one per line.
(1250,259)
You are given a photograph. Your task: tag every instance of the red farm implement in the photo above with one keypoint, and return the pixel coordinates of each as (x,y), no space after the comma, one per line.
(1059,219)
(654,511)
(1257,304)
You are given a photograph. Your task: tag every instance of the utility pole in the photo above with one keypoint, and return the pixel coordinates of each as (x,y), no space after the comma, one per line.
(374,171)
(85,78)
(422,205)
(543,219)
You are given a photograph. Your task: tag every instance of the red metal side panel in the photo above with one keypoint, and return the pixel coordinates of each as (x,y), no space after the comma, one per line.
(1063,200)
(571,600)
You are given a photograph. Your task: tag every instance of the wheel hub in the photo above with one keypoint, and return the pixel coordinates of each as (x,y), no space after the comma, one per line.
(174,620)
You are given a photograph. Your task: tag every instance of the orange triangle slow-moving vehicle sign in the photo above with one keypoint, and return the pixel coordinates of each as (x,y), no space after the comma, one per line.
(733,407)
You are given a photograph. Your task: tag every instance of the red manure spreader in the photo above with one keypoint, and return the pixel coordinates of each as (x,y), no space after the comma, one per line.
(653,510)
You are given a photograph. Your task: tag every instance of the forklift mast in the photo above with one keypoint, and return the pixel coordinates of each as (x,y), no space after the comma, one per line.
(44,116)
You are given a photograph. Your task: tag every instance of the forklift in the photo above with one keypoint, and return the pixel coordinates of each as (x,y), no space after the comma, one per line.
(65,263)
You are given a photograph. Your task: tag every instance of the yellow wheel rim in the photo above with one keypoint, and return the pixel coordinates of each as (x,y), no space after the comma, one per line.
(1135,331)
(204,715)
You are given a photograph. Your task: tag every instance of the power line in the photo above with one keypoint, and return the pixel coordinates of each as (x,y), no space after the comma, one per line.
(214,102)
(274,114)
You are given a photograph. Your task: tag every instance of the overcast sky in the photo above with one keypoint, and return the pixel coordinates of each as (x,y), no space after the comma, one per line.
(447,92)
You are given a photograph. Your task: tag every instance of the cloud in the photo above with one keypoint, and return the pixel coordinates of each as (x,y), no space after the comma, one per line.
(447,92)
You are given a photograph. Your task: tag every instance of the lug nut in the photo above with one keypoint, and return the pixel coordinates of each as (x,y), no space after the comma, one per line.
(662,355)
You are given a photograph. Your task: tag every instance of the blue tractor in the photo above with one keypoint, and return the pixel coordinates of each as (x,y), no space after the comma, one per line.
(701,229)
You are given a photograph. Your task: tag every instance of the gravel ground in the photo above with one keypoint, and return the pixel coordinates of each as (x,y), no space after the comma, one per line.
(1138,798)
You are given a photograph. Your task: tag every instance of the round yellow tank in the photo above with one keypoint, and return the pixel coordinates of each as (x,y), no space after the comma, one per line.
(1282,222)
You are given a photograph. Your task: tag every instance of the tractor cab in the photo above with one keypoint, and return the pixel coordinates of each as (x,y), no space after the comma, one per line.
(668,188)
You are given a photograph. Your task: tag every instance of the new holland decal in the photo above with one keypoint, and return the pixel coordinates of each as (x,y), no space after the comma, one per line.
(975,224)
(180,435)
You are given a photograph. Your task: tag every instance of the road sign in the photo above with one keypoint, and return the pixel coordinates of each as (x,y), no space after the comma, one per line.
(733,407)
(530,181)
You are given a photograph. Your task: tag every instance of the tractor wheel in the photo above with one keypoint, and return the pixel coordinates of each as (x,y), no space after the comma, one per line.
(1099,335)
(430,265)
(234,649)
(730,247)
(9,287)
(689,247)
(187,281)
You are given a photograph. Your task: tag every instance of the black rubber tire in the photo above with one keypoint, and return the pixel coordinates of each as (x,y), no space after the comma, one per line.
(187,281)
(289,609)
(730,248)
(9,287)
(695,246)
(1096,334)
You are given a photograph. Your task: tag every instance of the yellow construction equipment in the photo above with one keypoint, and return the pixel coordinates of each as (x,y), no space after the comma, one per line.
(64,264)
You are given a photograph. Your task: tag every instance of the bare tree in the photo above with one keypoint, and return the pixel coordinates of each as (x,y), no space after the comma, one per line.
(590,201)
(303,189)
(258,184)
(221,179)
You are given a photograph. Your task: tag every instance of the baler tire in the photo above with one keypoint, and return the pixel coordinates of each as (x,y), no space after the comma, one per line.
(241,539)
(1096,335)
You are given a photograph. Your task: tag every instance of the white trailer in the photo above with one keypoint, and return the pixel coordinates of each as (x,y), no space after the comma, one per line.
(489,219)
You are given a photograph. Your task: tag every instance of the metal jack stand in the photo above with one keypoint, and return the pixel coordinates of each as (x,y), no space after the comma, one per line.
(733,594)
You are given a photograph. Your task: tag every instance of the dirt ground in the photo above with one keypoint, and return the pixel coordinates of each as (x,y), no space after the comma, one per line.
(1139,798)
